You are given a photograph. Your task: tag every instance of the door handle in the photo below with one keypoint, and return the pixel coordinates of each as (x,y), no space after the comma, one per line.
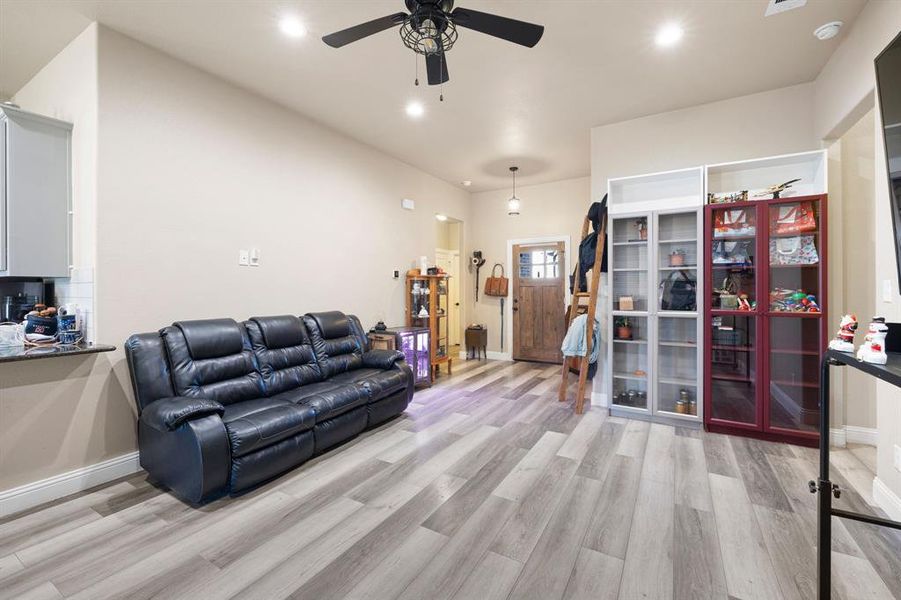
(515,309)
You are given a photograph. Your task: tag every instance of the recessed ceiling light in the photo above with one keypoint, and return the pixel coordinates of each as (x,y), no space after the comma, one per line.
(415,110)
(466,183)
(668,35)
(828,31)
(292,27)
(441,217)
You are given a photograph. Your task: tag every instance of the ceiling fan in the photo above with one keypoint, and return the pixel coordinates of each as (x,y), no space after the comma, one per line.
(430,29)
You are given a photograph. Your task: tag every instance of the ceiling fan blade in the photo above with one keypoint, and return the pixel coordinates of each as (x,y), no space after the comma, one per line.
(358,32)
(518,32)
(436,67)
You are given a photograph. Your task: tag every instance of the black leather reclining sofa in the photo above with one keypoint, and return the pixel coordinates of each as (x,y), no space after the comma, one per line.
(225,405)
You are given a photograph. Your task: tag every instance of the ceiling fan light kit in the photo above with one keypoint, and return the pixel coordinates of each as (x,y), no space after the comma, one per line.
(430,29)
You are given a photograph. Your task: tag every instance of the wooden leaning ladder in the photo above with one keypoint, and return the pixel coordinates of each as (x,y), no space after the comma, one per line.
(576,308)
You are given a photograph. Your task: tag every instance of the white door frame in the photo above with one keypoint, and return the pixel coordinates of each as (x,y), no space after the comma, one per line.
(508,310)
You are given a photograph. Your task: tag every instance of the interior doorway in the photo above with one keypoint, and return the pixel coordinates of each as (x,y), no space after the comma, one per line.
(447,256)
(539,300)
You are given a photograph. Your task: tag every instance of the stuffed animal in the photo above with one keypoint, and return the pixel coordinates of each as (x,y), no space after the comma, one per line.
(873,348)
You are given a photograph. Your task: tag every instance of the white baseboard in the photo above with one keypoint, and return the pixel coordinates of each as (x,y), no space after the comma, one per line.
(852,434)
(499,355)
(64,484)
(886,499)
(838,437)
(862,435)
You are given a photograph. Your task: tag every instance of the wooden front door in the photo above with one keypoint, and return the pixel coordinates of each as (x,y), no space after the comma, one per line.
(538,311)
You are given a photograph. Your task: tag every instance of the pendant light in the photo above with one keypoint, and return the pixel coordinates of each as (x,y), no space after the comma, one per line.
(513,202)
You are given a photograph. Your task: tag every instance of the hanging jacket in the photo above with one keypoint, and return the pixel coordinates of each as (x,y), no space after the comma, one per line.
(574,342)
(588,246)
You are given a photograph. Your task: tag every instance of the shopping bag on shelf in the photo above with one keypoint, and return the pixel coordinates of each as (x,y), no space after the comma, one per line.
(795,250)
(732,222)
(796,217)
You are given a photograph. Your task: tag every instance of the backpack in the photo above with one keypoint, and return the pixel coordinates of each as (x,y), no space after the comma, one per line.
(678,292)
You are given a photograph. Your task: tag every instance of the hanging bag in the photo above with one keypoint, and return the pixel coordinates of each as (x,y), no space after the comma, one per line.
(797,250)
(732,222)
(794,218)
(678,293)
(494,285)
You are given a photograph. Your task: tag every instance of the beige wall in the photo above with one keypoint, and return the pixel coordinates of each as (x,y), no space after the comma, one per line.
(550,209)
(775,122)
(844,91)
(192,169)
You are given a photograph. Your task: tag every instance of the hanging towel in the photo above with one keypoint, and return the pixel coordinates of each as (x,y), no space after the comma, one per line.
(574,342)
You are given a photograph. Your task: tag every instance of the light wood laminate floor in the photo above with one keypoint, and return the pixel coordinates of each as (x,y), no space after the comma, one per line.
(487,488)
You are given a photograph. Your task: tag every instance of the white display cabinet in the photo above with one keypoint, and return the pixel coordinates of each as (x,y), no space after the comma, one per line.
(655,367)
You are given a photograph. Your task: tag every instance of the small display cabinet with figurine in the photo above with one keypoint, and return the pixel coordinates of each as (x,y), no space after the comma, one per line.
(415,343)
(427,307)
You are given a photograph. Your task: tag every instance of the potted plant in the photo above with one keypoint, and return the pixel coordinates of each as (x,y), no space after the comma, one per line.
(623,328)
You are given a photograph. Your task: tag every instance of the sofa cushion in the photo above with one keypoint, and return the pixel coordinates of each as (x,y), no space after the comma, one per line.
(381,383)
(337,348)
(283,351)
(212,359)
(328,399)
(255,424)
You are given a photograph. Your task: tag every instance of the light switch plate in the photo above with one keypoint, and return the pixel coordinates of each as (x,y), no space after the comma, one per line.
(897,461)
(243,258)
(886,290)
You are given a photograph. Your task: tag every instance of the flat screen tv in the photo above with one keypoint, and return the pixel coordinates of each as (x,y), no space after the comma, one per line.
(888,83)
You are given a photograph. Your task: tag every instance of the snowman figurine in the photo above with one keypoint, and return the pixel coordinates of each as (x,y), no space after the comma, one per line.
(844,337)
(873,348)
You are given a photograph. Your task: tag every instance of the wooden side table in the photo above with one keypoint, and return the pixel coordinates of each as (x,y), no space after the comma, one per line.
(476,340)
(382,341)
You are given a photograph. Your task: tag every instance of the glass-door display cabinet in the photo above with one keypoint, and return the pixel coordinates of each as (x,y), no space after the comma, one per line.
(654,350)
(766,325)
(416,344)
(427,307)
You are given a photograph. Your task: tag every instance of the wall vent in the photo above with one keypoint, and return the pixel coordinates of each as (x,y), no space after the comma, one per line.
(778,6)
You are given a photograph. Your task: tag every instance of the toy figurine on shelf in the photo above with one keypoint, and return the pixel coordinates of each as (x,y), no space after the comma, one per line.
(844,337)
(776,190)
(873,348)
(744,303)
(783,300)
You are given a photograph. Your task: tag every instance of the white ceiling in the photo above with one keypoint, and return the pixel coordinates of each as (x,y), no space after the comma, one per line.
(505,104)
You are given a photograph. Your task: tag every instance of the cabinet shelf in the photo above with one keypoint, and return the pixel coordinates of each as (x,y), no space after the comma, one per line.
(631,376)
(678,344)
(678,381)
(682,241)
(617,341)
(682,268)
(632,243)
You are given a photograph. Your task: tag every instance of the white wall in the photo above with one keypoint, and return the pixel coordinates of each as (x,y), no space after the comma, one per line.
(549,209)
(775,122)
(190,169)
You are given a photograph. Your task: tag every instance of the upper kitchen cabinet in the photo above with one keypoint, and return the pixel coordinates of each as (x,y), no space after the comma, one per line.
(35,194)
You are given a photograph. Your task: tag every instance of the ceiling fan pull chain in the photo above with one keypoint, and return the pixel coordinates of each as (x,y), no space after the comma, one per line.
(416,58)
(441,94)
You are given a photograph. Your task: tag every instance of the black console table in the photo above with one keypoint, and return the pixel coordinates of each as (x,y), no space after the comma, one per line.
(891,373)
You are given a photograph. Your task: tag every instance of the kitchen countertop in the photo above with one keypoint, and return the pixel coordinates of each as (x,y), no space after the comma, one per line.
(37,352)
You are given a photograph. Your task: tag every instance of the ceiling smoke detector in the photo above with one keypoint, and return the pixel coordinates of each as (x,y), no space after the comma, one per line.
(828,31)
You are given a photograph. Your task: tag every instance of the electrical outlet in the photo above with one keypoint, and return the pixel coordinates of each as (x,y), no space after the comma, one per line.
(396,273)
(897,461)
(886,290)
(243,258)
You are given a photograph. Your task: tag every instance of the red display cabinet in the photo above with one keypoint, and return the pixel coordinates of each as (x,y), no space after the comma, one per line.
(765,318)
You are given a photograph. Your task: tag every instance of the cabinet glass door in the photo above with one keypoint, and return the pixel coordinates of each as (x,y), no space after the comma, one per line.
(419,302)
(677,365)
(630,362)
(794,256)
(733,249)
(794,373)
(441,308)
(677,261)
(630,264)
(733,371)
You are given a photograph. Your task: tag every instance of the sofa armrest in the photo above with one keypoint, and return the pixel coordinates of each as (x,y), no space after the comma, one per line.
(382,359)
(168,414)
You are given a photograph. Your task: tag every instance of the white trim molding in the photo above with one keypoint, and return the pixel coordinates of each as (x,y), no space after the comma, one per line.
(46,490)
(492,355)
(886,499)
(852,434)
(599,399)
